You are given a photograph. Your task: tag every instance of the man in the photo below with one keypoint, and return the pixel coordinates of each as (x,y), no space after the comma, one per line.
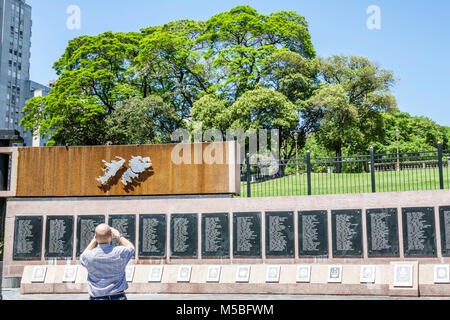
(106,264)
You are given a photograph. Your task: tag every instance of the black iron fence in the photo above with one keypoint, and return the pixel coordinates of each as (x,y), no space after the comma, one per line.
(388,172)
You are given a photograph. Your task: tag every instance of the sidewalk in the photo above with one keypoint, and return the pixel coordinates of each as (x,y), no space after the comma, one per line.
(14,294)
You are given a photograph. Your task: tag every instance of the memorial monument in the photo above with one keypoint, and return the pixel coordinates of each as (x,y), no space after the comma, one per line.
(192,235)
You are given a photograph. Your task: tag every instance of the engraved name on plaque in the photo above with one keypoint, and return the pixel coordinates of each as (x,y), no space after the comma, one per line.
(152,235)
(27,237)
(419,235)
(312,233)
(382,232)
(86,230)
(280,234)
(444,220)
(215,235)
(347,232)
(125,224)
(59,237)
(183,235)
(247,234)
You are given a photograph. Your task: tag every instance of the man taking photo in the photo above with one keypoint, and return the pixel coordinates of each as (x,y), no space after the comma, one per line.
(106,264)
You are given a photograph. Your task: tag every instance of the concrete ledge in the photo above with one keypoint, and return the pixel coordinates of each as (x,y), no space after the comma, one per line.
(318,285)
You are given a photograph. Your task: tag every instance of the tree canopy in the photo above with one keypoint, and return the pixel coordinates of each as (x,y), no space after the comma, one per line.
(239,69)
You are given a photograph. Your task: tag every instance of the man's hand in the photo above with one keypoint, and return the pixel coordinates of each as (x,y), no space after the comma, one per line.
(115,233)
(91,245)
(126,243)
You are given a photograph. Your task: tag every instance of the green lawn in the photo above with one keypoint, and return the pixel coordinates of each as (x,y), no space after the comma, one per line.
(323,183)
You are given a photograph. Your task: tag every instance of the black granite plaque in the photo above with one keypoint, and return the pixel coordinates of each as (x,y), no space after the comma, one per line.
(183,235)
(382,232)
(247,234)
(280,239)
(419,233)
(444,220)
(59,237)
(86,230)
(312,233)
(152,235)
(215,235)
(346,233)
(27,237)
(125,224)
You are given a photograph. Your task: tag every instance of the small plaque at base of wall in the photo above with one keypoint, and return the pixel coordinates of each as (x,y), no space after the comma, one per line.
(335,274)
(129,273)
(184,274)
(367,274)
(403,275)
(70,273)
(442,273)
(273,274)
(39,273)
(243,274)
(213,274)
(155,274)
(304,273)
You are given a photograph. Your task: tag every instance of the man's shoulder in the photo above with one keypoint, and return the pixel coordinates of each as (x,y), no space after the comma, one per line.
(123,248)
(129,250)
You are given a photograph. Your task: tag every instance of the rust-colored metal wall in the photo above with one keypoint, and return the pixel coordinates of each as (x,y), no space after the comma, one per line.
(72,171)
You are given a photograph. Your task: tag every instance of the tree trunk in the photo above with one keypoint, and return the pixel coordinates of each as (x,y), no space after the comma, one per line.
(339,159)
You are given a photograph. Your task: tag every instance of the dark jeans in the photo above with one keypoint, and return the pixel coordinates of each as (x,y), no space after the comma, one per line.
(114,297)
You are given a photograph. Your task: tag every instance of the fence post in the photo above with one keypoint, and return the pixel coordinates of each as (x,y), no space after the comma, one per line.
(247,160)
(372,169)
(441,174)
(308,170)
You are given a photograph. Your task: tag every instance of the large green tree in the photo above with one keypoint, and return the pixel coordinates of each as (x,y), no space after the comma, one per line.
(180,62)
(238,41)
(415,134)
(353,95)
(142,120)
(93,80)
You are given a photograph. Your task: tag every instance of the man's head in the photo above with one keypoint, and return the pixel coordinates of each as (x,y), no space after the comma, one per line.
(103,233)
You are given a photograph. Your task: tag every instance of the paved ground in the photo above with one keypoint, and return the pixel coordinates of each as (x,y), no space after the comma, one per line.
(14,294)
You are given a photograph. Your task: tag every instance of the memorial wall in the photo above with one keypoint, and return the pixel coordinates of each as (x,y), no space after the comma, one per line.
(208,235)
(185,214)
